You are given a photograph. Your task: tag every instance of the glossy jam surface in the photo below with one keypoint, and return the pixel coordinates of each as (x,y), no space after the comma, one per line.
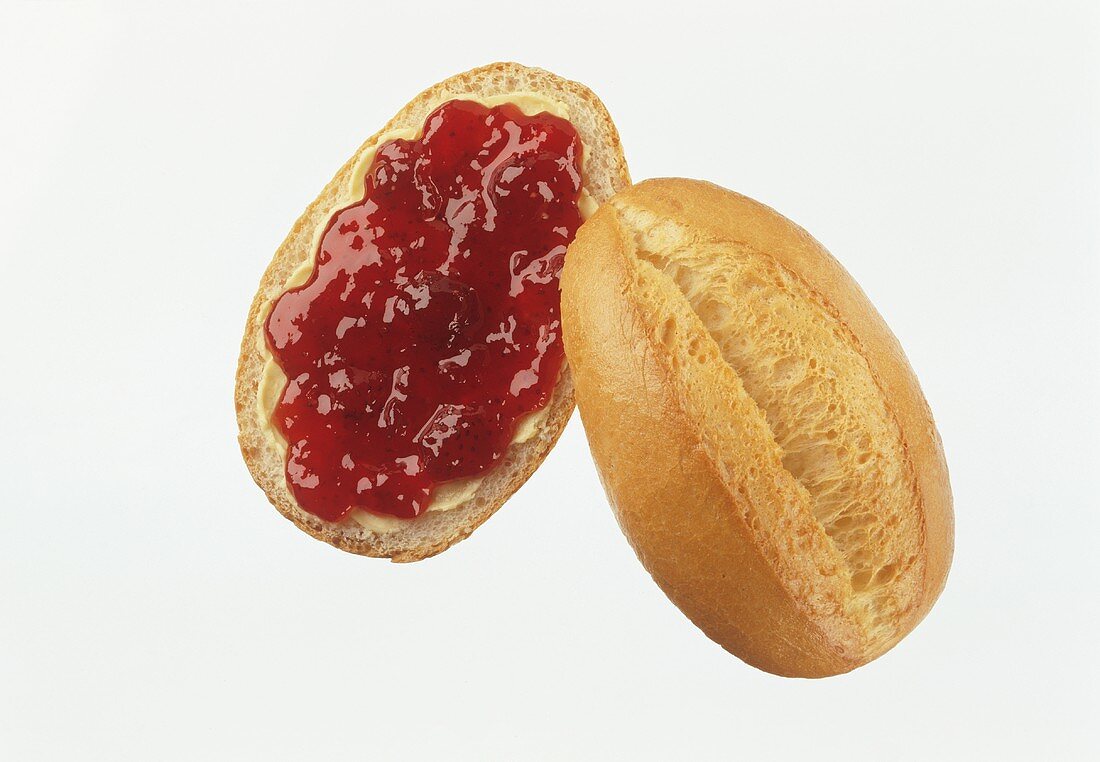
(430,325)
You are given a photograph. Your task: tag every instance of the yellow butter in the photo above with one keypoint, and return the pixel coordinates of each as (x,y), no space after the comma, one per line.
(273,380)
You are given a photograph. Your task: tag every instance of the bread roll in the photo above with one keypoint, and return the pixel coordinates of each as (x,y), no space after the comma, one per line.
(761,437)
(605,172)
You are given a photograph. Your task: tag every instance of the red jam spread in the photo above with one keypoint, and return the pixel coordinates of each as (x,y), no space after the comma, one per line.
(430,325)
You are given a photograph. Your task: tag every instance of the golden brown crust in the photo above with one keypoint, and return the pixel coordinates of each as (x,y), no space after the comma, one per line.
(605,173)
(802,544)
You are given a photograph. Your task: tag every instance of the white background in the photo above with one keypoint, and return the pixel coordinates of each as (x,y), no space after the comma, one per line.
(153,606)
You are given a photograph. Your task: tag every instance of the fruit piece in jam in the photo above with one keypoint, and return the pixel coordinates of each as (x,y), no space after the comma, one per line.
(430,324)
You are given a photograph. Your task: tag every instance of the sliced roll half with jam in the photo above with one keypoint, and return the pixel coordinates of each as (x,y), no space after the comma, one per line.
(402,371)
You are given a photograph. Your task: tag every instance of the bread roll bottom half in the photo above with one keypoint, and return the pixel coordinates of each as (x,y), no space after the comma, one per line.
(465,501)
(760,434)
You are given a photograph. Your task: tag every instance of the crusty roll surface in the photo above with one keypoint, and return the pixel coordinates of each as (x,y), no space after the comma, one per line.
(605,172)
(761,436)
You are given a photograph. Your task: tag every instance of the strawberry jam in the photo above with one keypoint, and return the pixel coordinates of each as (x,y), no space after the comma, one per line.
(430,325)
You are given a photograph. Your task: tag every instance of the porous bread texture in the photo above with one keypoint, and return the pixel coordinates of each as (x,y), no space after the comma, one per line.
(605,172)
(814,393)
(786,486)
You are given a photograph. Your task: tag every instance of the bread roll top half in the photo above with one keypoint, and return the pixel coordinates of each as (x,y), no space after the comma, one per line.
(761,436)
